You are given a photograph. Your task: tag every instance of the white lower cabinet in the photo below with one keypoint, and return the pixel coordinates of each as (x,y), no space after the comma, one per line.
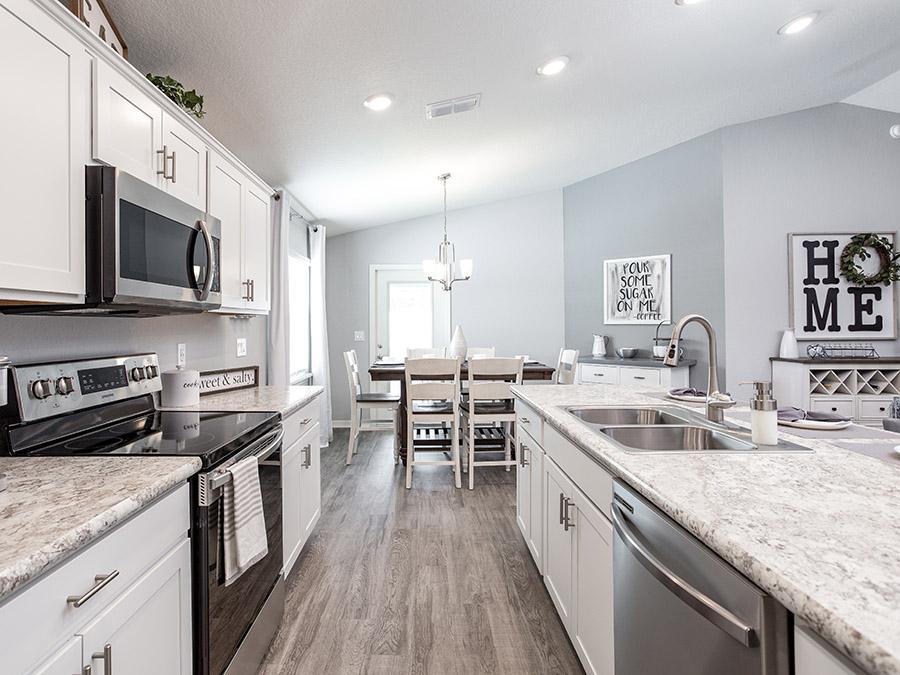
(558,559)
(814,656)
(67,661)
(147,629)
(301,481)
(592,373)
(529,501)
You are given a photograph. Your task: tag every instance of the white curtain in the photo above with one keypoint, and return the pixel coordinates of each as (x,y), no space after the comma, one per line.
(319,328)
(279,334)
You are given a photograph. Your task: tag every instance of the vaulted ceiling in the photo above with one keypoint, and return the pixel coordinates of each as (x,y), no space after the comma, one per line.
(284,84)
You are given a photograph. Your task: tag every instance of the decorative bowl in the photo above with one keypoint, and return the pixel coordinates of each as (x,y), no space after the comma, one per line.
(627,352)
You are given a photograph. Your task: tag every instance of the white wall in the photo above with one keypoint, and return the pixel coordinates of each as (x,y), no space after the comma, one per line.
(514,301)
(884,95)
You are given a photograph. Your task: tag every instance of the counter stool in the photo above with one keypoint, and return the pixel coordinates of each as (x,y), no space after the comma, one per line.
(371,400)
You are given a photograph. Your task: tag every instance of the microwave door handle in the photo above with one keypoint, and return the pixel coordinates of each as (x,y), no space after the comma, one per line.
(208,280)
(695,599)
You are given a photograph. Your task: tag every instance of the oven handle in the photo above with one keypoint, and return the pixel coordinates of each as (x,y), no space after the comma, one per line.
(695,599)
(223,476)
(210,264)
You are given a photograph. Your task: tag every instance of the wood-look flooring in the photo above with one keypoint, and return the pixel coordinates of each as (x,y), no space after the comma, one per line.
(429,580)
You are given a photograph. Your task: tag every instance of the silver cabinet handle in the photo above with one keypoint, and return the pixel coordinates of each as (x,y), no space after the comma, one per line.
(305,421)
(165,161)
(100,581)
(561,498)
(568,524)
(696,600)
(639,377)
(246,296)
(522,461)
(86,670)
(307,456)
(106,655)
(524,420)
(253,290)
(172,157)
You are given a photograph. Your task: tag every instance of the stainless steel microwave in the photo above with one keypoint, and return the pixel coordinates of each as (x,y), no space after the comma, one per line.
(147,253)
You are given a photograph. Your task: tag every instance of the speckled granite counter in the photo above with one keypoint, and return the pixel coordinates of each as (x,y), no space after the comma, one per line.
(820,531)
(55,506)
(284,400)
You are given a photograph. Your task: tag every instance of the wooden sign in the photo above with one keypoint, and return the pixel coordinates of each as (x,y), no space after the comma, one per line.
(637,290)
(824,305)
(217,381)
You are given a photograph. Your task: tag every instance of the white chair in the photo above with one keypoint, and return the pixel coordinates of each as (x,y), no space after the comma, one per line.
(425,352)
(432,397)
(372,400)
(491,402)
(479,352)
(566,366)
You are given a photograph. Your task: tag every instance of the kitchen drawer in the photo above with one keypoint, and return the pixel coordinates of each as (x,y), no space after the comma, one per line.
(591,374)
(591,478)
(833,404)
(38,619)
(299,422)
(628,375)
(874,408)
(530,421)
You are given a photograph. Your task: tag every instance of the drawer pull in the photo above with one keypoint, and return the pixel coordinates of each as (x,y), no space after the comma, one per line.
(305,421)
(524,420)
(568,524)
(881,409)
(307,456)
(106,655)
(834,410)
(639,377)
(522,461)
(100,581)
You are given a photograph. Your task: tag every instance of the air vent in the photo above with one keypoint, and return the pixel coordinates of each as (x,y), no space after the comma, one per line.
(452,106)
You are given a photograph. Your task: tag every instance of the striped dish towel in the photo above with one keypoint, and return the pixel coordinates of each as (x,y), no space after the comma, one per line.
(243,521)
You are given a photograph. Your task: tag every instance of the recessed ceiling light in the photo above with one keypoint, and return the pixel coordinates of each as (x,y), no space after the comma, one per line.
(799,24)
(378,102)
(554,66)
(688,2)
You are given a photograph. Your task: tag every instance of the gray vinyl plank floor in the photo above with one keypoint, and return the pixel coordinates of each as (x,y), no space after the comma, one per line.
(429,580)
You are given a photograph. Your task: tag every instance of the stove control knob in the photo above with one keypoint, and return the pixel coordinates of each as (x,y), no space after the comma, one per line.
(138,374)
(152,371)
(65,385)
(41,389)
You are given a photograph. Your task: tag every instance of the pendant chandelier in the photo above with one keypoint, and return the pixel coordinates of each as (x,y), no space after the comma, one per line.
(445,270)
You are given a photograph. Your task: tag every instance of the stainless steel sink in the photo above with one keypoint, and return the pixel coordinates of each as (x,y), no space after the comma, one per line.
(624,416)
(675,438)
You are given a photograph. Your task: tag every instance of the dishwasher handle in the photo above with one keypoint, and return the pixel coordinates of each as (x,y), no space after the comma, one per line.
(698,601)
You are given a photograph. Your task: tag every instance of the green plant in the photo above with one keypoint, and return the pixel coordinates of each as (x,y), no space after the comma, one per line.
(889,271)
(191,101)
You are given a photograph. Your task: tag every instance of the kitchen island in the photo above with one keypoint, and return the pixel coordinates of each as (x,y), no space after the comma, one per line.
(818,531)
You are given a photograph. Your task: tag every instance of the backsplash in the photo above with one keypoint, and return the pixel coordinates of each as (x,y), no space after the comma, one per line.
(210,339)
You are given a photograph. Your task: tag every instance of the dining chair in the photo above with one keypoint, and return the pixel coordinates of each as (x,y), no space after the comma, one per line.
(491,402)
(360,400)
(480,352)
(566,366)
(432,397)
(423,352)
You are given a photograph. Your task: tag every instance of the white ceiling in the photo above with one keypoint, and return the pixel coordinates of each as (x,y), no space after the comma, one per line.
(884,95)
(284,82)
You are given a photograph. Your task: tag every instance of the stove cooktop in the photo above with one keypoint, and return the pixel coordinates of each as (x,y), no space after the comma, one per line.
(211,436)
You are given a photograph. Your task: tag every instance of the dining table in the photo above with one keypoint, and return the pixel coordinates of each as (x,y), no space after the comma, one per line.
(388,370)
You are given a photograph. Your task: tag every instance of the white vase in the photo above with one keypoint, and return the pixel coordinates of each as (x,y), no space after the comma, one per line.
(457,347)
(789,348)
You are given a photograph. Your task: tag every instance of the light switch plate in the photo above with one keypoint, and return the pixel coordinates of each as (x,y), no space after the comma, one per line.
(359,336)
(182,354)
(242,346)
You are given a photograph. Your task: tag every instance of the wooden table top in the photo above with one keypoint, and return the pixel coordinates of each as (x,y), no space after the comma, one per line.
(396,371)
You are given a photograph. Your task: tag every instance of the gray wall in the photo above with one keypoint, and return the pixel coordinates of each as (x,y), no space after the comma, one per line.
(828,169)
(514,300)
(210,339)
(670,202)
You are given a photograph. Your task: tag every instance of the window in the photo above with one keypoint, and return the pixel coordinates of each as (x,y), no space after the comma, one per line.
(298,280)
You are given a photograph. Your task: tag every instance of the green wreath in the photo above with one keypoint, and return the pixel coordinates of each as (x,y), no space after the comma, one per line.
(852,272)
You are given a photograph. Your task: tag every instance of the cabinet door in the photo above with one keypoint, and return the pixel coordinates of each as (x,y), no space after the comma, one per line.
(536,540)
(226,202)
(591,629)
(558,541)
(523,491)
(46,122)
(185,163)
(310,483)
(67,661)
(127,125)
(147,629)
(291,476)
(257,245)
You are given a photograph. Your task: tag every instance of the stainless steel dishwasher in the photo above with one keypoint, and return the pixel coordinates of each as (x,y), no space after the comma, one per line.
(680,609)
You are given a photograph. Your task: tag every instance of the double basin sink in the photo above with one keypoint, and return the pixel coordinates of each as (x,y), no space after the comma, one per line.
(668,429)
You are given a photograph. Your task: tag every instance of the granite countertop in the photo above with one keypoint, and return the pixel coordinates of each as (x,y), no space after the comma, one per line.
(820,531)
(636,362)
(55,506)
(284,400)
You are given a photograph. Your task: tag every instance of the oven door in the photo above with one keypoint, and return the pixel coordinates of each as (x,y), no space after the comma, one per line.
(155,249)
(224,614)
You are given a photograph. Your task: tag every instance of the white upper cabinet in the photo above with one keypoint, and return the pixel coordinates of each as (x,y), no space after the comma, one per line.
(257,244)
(46,145)
(185,162)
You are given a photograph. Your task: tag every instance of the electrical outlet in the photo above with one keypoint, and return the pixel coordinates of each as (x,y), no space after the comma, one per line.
(242,346)
(359,336)
(182,354)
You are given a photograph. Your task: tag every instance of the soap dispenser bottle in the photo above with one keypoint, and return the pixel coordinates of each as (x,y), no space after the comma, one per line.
(763,415)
